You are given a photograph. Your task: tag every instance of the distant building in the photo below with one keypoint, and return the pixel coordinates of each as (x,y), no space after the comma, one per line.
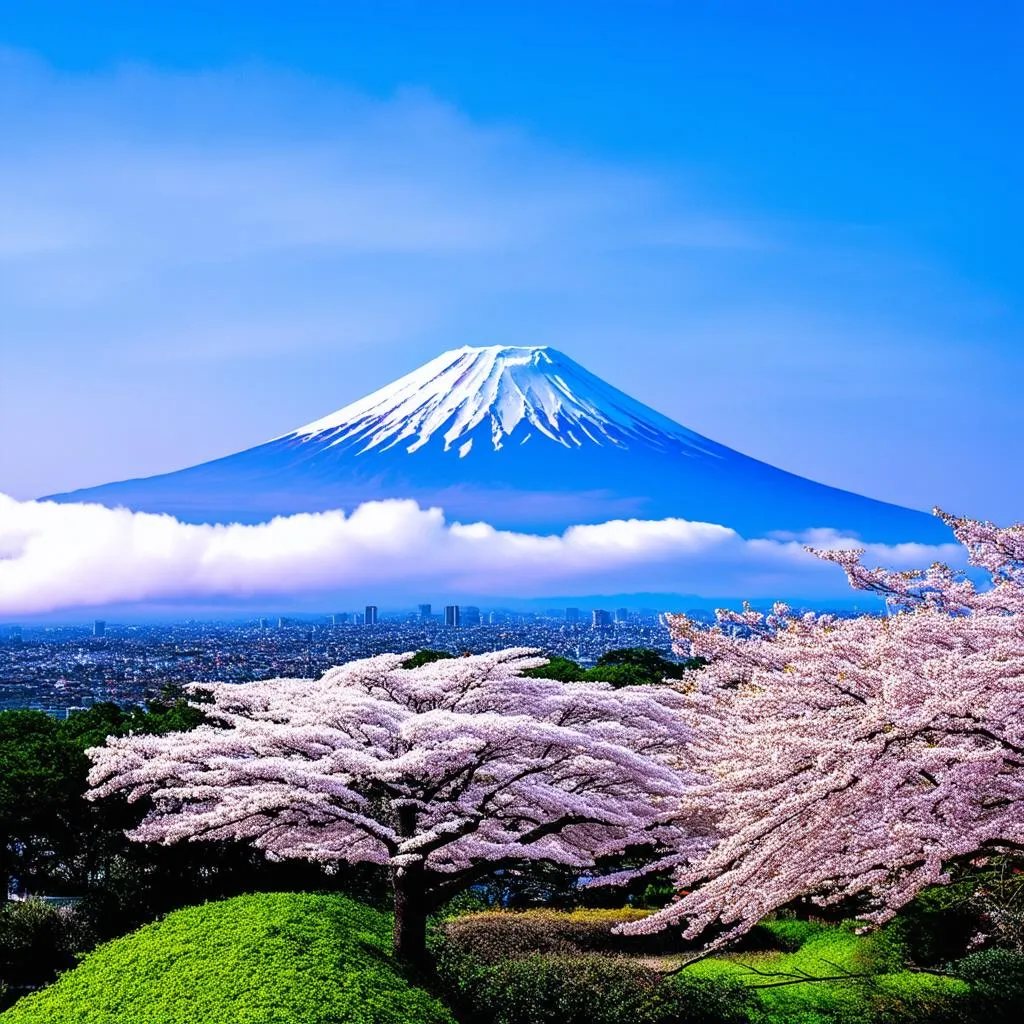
(451,615)
(341,619)
(370,615)
(469,616)
(495,618)
(572,616)
(14,634)
(99,627)
(263,623)
(622,615)
(600,618)
(425,613)
(358,619)
(282,622)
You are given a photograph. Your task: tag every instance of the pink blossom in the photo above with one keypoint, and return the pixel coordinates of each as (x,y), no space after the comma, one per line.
(443,772)
(857,756)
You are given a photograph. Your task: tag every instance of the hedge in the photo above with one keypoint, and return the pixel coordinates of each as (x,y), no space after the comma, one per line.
(501,934)
(585,989)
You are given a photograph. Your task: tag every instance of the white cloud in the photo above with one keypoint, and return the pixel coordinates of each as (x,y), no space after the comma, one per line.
(55,557)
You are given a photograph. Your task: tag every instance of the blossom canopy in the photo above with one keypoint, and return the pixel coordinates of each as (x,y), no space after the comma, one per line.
(857,757)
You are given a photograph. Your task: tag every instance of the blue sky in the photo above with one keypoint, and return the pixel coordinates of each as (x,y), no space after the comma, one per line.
(795,228)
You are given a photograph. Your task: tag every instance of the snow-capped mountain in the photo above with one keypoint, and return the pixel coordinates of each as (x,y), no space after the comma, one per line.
(521,437)
(493,397)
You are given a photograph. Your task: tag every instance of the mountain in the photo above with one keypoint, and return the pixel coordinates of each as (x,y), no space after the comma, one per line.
(522,438)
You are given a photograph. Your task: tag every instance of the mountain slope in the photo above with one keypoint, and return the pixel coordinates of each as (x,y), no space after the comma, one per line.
(523,438)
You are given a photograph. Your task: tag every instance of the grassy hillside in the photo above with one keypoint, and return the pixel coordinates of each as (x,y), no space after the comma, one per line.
(890,993)
(259,959)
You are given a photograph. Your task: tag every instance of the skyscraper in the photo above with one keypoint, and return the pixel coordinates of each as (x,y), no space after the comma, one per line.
(622,615)
(99,627)
(469,616)
(451,615)
(600,618)
(572,616)
(14,634)
(424,613)
(370,616)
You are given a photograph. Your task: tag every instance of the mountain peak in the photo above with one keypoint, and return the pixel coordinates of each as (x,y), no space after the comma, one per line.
(517,436)
(492,396)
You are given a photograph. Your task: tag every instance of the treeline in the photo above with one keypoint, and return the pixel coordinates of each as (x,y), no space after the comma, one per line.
(625,666)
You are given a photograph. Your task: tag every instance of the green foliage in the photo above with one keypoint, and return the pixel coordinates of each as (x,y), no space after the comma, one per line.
(939,924)
(869,986)
(622,675)
(260,959)
(469,901)
(90,727)
(626,666)
(47,827)
(562,669)
(493,936)
(37,941)
(656,893)
(650,664)
(42,777)
(785,935)
(53,841)
(424,657)
(996,977)
(584,989)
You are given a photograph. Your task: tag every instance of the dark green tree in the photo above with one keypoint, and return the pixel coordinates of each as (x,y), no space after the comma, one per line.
(42,778)
(425,657)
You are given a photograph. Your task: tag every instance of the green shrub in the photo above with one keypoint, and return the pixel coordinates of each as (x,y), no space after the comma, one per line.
(785,935)
(37,942)
(557,667)
(937,926)
(501,934)
(425,657)
(996,977)
(587,989)
(280,958)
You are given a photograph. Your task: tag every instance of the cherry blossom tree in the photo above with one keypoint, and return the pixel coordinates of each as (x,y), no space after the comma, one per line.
(443,772)
(857,756)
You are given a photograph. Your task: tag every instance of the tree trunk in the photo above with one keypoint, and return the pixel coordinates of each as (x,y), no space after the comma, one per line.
(411,908)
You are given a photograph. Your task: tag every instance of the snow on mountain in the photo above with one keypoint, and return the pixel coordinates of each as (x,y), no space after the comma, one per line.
(523,438)
(503,390)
